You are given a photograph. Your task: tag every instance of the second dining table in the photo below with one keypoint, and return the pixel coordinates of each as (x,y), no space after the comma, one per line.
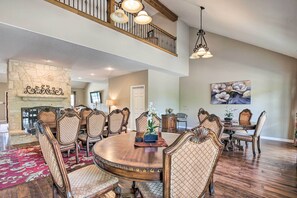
(119,156)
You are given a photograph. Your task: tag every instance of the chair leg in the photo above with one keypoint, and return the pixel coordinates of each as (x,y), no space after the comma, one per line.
(68,153)
(211,186)
(246,144)
(118,191)
(259,145)
(186,125)
(55,193)
(76,153)
(88,148)
(253,146)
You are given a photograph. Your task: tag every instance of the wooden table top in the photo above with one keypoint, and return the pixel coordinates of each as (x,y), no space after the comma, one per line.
(118,155)
(234,125)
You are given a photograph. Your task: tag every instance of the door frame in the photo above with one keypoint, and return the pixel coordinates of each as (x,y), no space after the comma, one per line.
(131,106)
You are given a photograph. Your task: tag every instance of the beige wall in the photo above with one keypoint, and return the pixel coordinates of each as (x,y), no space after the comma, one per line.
(80,96)
(163,91)
(119,87)
(272,75)
(3,89)
(103,87)
(22,74)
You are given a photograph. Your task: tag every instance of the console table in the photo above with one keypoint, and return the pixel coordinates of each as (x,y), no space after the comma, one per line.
(169,123)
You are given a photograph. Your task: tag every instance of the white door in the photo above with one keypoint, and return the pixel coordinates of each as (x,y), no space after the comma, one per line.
(137,103)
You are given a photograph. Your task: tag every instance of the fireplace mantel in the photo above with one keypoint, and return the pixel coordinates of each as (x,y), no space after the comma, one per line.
(41,97)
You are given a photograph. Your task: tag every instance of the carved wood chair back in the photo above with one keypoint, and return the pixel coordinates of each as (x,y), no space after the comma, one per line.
(84,114)
(126,113)
(115,121)
(192,158)
(245,117)
(141,122)
(52,155)
(202,114)
(68,128)
(213,123)
(96,123)
(49,117)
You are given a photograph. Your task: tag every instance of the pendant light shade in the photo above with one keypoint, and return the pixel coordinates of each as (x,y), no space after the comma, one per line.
(132,6)
(200,48)
(119,16)
(142,18)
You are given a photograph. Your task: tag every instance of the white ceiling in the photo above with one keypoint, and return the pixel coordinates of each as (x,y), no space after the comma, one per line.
(270,24)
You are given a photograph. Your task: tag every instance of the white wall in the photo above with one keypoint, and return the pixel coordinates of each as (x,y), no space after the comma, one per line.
(47,19)
(103,87)
(161,21)
(272,75)
(163,91)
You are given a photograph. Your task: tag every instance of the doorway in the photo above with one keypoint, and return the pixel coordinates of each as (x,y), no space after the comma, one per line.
(137,103)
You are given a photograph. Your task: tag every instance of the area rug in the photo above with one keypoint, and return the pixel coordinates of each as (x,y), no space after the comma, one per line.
(26,164)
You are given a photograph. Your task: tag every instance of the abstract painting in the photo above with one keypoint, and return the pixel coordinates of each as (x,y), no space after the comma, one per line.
(237,92)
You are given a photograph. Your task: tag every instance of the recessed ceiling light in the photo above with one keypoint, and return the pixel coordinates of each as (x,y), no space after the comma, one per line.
(92,74)
(48,61)
(109,68)
(79,78)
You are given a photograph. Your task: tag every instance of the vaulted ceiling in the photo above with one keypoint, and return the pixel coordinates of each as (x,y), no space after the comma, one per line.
(270,24)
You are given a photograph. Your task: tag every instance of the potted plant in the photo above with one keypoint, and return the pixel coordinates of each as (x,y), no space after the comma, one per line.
(229,114)
(151,135)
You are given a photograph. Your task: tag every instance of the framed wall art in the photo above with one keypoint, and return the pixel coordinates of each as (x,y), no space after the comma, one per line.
(236,92)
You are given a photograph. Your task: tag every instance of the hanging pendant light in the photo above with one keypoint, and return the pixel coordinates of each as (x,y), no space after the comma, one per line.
(142,18)
(119,16)
(200,48)
(132,6)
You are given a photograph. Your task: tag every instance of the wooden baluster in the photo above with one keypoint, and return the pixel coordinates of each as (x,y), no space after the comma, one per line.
(110,9)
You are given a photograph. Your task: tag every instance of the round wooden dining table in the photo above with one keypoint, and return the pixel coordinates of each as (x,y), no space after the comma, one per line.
(119,156)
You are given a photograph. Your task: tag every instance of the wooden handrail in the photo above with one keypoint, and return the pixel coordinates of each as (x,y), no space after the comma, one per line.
(98,13)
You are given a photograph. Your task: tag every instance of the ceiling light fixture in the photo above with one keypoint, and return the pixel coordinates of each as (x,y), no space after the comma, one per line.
(92,74)
(200,48)
(131,6)
(109,68)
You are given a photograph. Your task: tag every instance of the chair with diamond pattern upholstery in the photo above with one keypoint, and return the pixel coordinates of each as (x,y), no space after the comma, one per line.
(213,123)
(83,116)
(188,164)
(95,127)
(115,122)
(67,132)
(126,113)
(89,181)
(141,122)
(255,136)
(202,114)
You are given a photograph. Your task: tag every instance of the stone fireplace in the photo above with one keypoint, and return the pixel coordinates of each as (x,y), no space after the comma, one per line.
(22,74)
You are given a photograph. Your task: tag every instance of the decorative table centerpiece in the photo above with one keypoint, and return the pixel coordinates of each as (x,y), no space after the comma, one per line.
(151,135)
(229,114)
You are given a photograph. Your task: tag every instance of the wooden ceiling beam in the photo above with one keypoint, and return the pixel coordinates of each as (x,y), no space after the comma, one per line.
(163,9)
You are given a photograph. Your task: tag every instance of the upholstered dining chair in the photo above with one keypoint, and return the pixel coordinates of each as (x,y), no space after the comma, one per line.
(244,119)
(49,117)
(88,181)
(255,136)
(188,164)
(202,114)
(67,132)
(126,113)
(141,122)
(95,127)
(115,122)
(83,115)
(213,123)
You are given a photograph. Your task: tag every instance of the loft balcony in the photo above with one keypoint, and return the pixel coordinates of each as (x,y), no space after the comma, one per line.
(99,12)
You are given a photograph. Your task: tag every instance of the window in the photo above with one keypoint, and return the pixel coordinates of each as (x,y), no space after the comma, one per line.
(73,98)
(95,97)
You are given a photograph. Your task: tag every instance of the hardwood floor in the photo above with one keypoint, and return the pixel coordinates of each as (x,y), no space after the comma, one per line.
(238,174)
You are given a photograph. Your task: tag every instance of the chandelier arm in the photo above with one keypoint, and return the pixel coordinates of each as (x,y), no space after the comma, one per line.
(195,47)
(204,41)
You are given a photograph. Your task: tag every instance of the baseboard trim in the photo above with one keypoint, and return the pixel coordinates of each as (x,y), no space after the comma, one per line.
(277,139)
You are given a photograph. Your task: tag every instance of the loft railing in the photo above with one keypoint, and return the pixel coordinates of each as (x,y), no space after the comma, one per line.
(99,11)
